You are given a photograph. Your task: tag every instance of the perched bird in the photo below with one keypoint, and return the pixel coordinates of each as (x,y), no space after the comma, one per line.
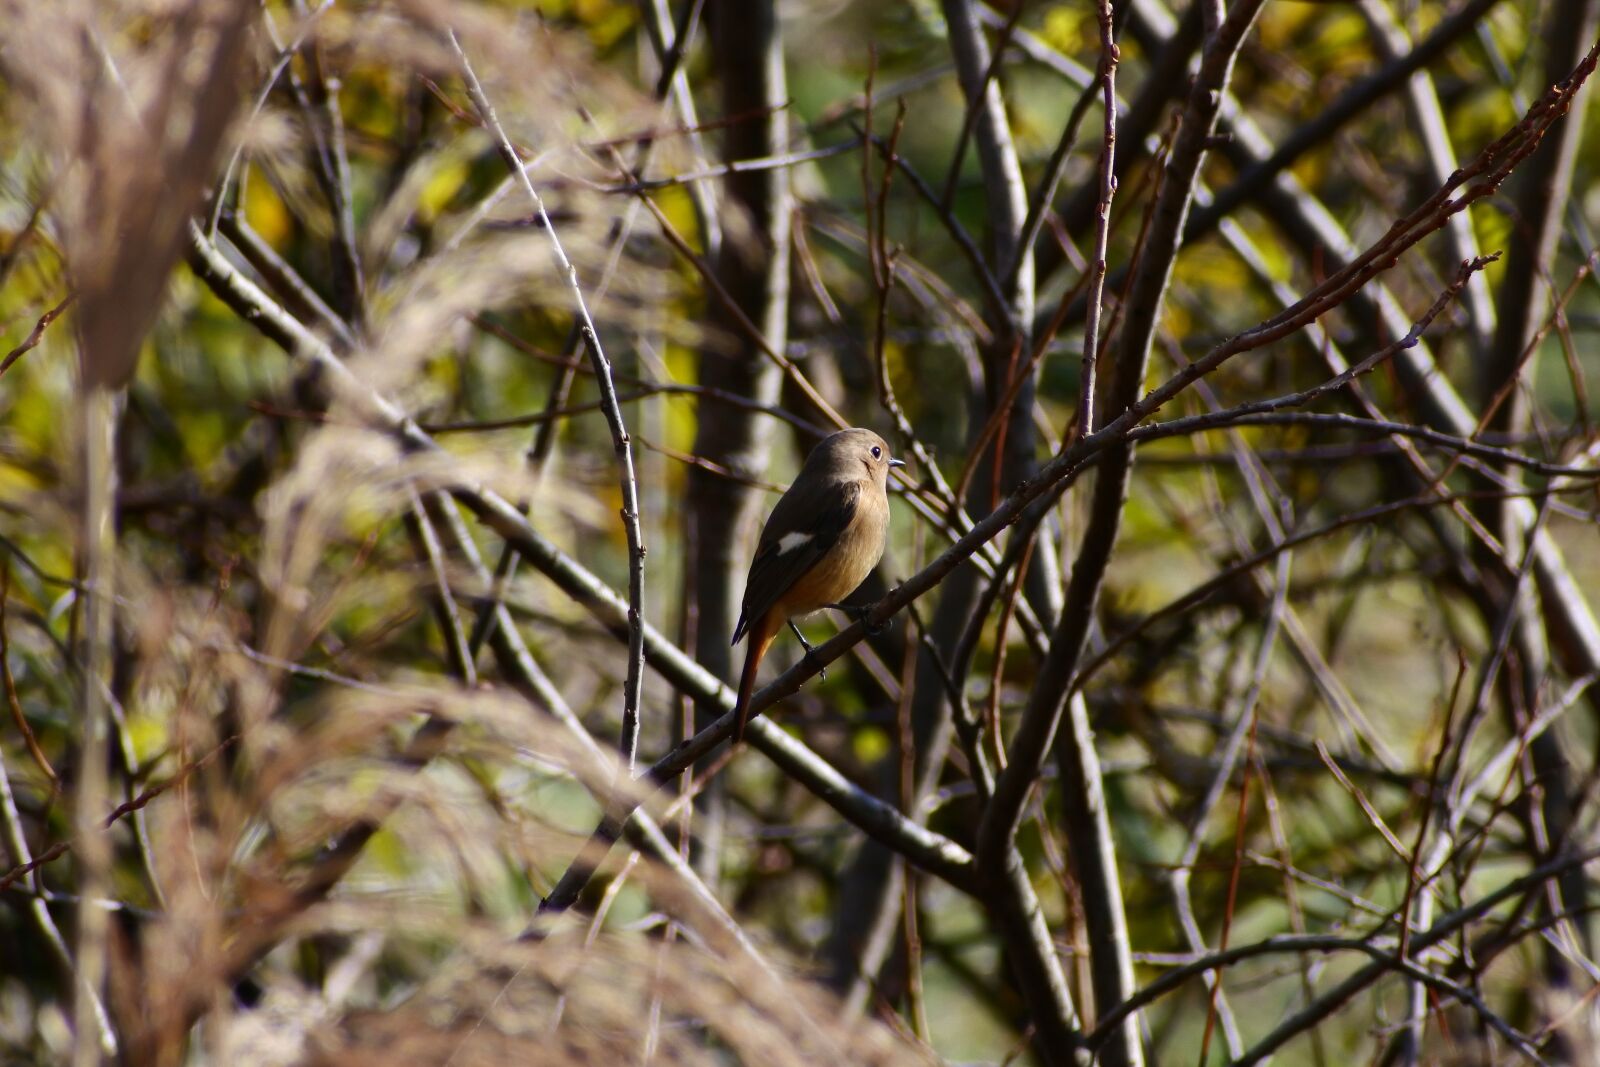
(821,541)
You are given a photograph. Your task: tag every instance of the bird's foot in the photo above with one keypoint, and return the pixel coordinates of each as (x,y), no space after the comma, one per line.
(810,656)
(859,613)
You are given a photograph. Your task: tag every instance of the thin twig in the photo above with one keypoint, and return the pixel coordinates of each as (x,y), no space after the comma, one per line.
(635,186)
(646,389)
(1479,178)
(36,334)
(672,47)
(1052,471)
(1328,120)
(12,700)
(127,807)
(1054,171)
(16,840)
(280,63)
(1109,54)
(975,105)
(1048,700)
(427,538)
(634,686)
(1383,962)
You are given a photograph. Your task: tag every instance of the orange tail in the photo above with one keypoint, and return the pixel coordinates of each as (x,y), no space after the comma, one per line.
(761,635)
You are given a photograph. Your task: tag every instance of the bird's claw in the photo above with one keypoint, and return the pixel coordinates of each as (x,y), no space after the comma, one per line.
(812,662)
(859,613)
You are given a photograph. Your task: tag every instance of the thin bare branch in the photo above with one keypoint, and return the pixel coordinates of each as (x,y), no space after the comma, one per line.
(634,687)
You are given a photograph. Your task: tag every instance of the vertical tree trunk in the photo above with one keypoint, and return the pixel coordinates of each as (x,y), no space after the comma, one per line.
(753,264)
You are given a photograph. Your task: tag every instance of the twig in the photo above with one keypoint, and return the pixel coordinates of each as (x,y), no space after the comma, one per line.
(326,121)
(1383,962)
(1109,55)
(1087,820)
(671,42)
(290,286)
(633,687)
(1448,442)
(16,840)
(427,539)
(1414,861)
(1351,103)
(958,233)
(672,47)
(965,719)
(1390,41)
(975,104)
(12,700)
(1013,902)
(636,186)
(1048,700)
(710,467)
(1007,196)
(1485,174)
(1008,604)
(1489,419)
(748,328)
(882,262)
(1228,575)
(1243,727)
(1054,170)
(906,775)
(127,807)
(37,334)
(646,389)
(1423,939)
(281,63)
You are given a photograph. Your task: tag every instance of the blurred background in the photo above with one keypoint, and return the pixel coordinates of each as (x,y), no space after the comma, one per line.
(317,538)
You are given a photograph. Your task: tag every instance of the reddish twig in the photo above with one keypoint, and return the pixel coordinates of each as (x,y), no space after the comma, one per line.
(12,700)
(127,807)
(33,338)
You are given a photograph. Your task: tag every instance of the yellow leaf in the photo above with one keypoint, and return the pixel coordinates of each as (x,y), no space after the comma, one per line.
(676,204)
(1068,28)
(871,745)
(264,211)
(441,188)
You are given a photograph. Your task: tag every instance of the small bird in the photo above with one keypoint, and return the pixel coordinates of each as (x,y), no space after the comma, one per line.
(821,541)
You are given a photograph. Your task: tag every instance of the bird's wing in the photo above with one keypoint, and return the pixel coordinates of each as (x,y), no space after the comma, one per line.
(798,533)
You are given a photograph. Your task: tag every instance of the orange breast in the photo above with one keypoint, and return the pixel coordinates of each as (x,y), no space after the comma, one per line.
(846,566)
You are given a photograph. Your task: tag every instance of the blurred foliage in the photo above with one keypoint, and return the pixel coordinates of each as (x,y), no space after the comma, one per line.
(268,589)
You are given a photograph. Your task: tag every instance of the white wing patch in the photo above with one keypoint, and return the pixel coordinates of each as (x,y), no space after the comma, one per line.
(791,541)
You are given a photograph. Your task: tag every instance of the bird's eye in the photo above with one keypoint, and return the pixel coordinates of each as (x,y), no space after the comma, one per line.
(877,453)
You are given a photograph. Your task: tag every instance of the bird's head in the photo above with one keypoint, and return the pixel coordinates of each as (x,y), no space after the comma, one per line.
(848,453)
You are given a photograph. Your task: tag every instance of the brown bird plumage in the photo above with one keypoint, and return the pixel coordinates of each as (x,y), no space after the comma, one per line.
(820,542)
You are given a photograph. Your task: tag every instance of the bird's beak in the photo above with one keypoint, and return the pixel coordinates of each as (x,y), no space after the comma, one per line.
(897,463)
